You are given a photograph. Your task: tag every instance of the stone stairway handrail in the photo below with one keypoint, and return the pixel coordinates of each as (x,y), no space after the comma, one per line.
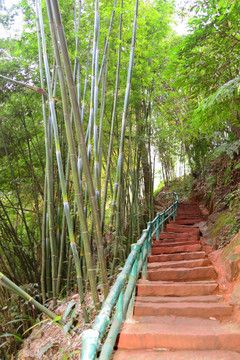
(121,295)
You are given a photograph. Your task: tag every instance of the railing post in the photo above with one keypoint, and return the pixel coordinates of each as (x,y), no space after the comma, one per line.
(149,236)
(149,228)
(162,220)
(112,335)
(174,211)
(145,250)
(89,344)
(158,222)
(133,275)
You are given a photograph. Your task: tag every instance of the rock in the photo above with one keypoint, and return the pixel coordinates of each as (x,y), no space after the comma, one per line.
(216,224)
(235,297)
(232,269)
(210,241)
(203,226)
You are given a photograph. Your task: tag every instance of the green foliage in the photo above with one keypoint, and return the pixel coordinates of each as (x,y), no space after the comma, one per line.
(199,103)
(159,188)
(184,102)
(228,148)
(182,185)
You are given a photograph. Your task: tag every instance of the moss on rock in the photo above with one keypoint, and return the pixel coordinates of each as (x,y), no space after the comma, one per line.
(218,226)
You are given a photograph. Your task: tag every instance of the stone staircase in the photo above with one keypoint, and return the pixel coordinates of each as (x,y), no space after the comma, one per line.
(178,313)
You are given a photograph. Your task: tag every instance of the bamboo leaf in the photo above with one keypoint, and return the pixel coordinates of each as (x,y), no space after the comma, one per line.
(13,335)
(4,343)
(39,323)
(31,87)
(68,309)
(44,349)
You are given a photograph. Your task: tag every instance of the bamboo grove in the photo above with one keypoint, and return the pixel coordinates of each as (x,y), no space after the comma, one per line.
(87,90)
(83,111)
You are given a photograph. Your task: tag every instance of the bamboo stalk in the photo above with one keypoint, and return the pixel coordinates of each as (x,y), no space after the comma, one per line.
(76,71)
(62,179)
(73,161)
(119,175)
(48,152)
(81,141)
(17,290)
(48,255)
(114,113)
(106,47)
(95,105)
(43,268)
(102,109)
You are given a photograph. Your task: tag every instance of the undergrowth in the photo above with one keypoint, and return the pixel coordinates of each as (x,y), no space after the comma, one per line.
(181,185)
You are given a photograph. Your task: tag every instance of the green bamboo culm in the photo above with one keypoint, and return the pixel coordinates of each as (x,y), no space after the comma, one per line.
(95,106)
(61,174)
(103,74)
(81,143)
(106,47)
(73,161)
(76,71)
(19,291)
(49,175)
(43,268)
(119,175)
(114,113)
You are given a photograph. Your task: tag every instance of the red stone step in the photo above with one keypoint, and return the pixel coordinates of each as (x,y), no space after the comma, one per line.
(158,244)
(192,207)
(179,264)
(164,288)
(178,236)
(195,309)
(188,212)
(186,204)
(177,257)
(171,299)
(188,216)
(189,221)
(179,333)
(175,239)
(184,217)
(171,240)
(194,219)
(182,229)
(182,274)
(161,354)
(176,249)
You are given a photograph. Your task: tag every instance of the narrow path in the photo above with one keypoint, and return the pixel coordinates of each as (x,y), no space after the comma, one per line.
(178,313)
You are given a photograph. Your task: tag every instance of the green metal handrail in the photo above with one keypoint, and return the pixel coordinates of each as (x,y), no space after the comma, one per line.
(122,293)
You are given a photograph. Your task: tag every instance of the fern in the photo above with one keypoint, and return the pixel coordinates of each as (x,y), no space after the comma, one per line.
(227,148)
(226,91)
